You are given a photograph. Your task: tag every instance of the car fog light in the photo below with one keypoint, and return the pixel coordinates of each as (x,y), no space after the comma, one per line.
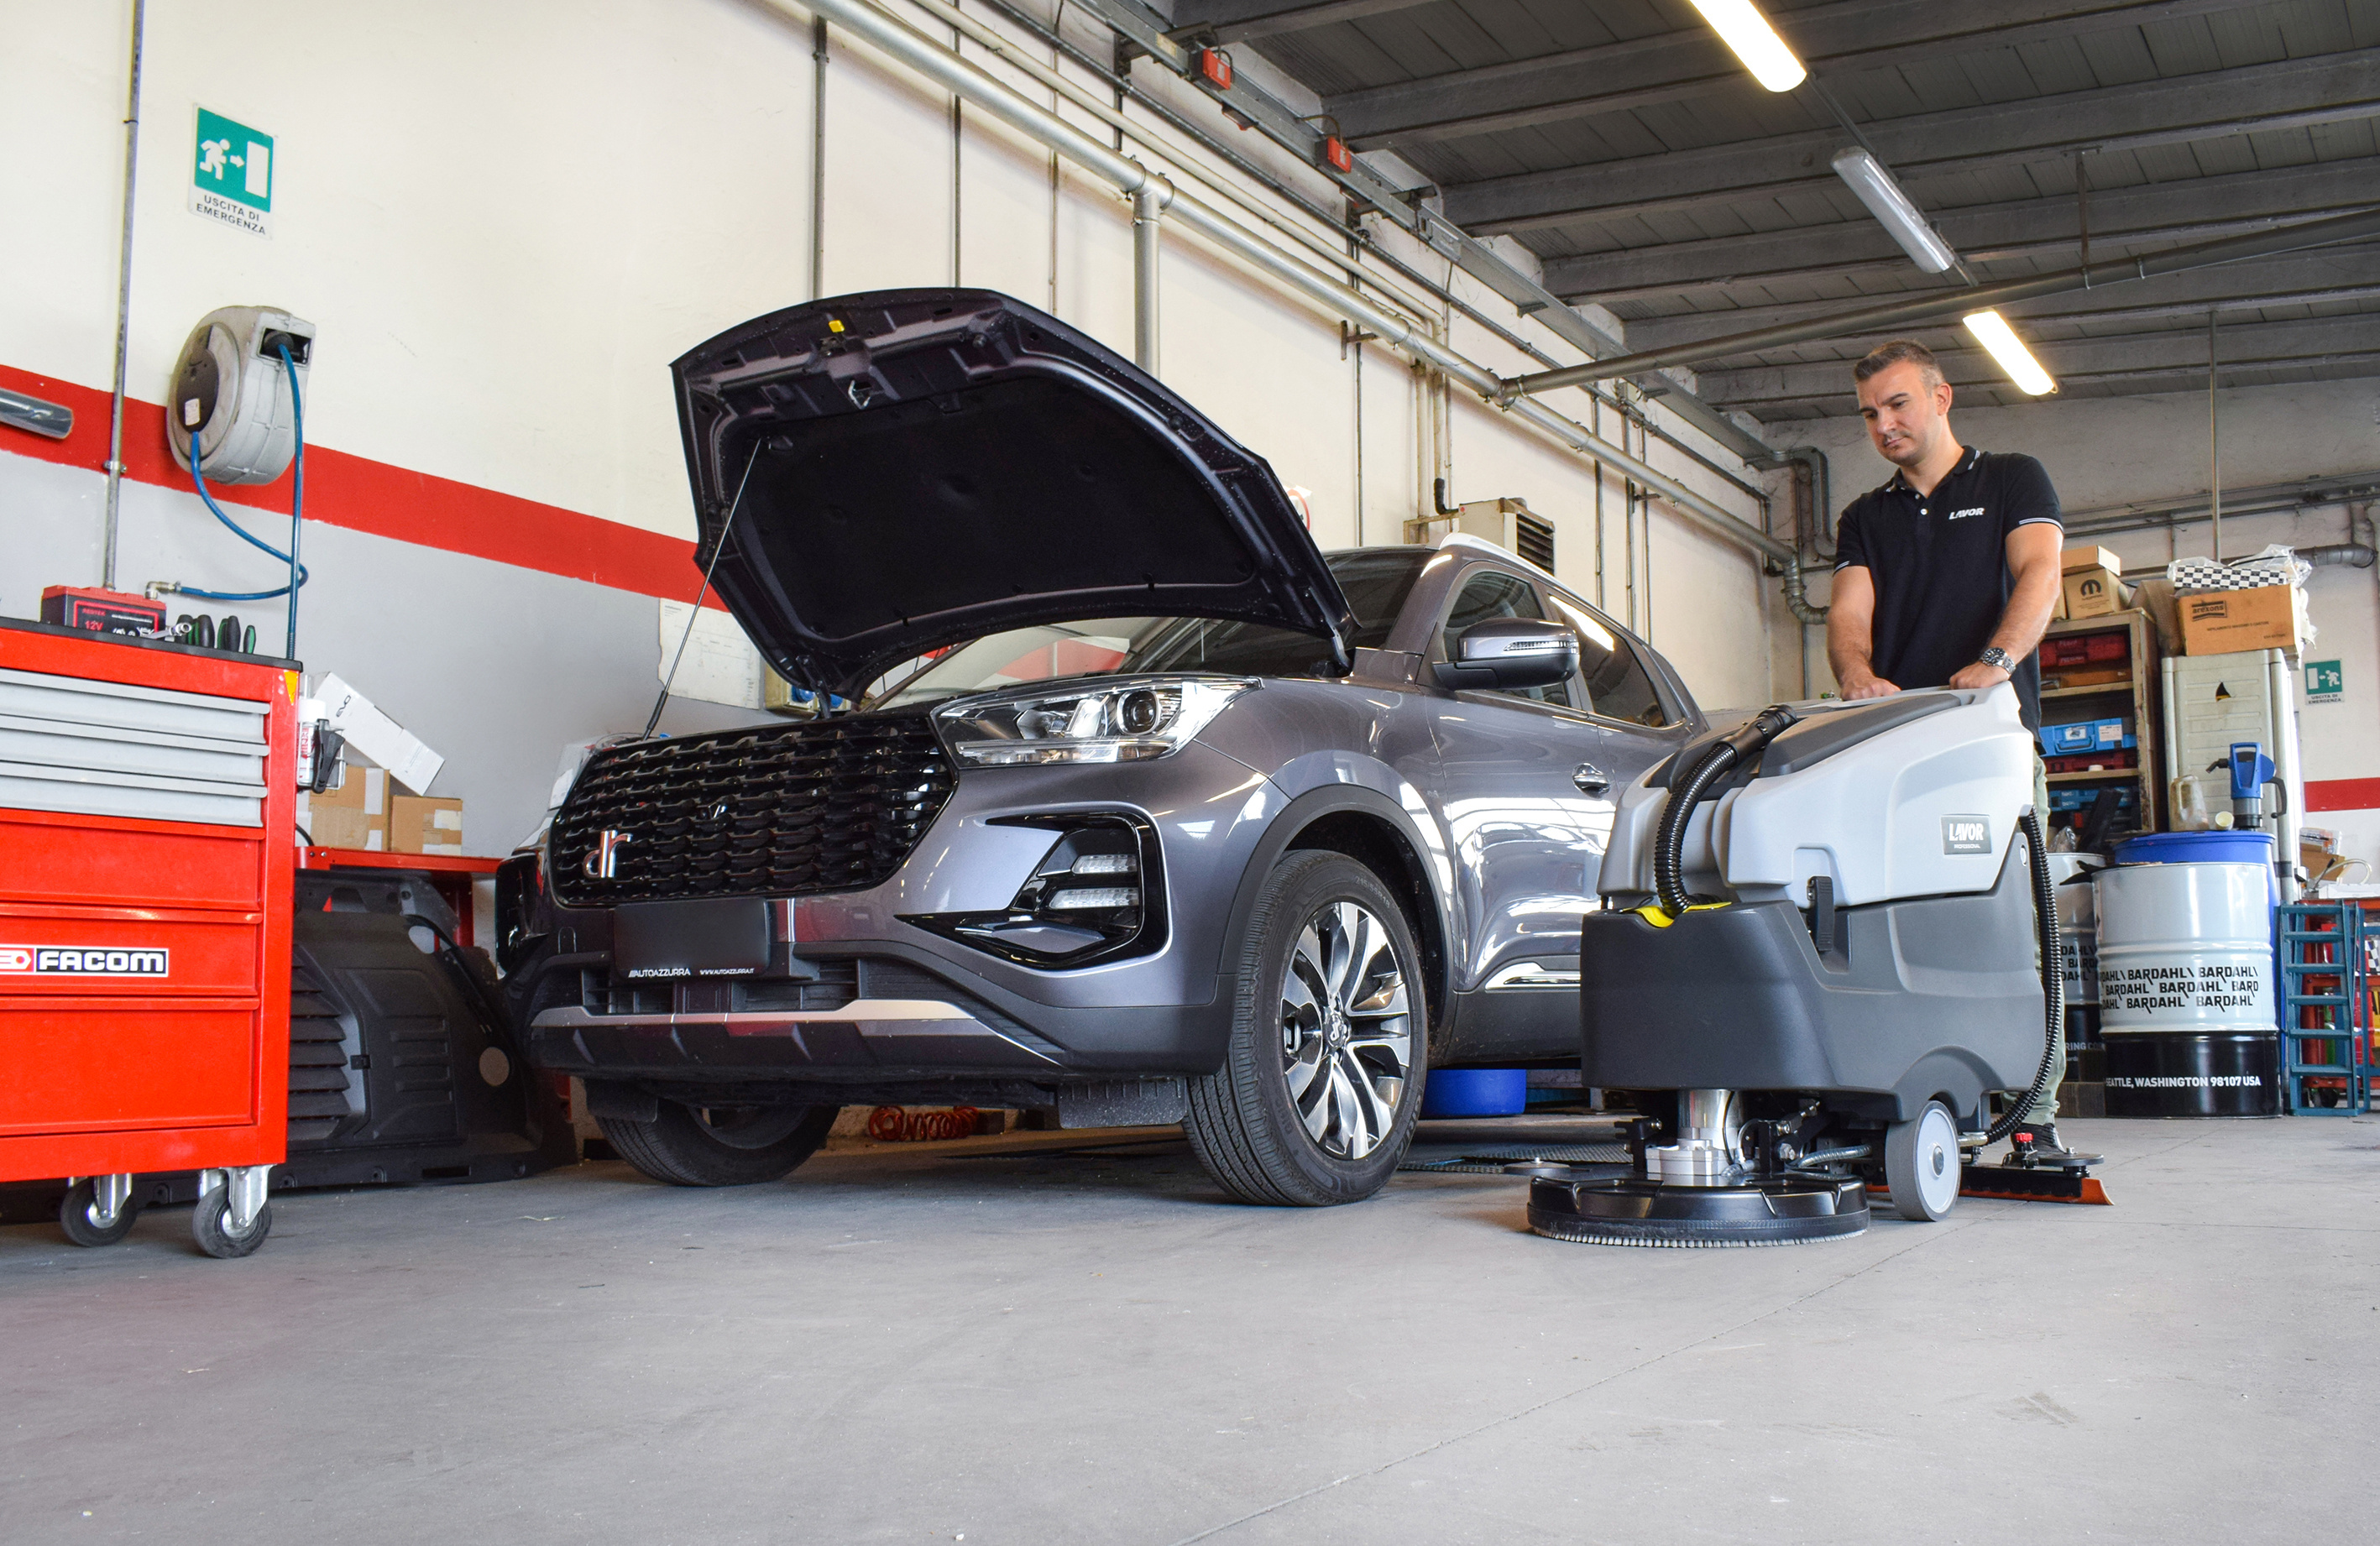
(1076,901)
(1056,920)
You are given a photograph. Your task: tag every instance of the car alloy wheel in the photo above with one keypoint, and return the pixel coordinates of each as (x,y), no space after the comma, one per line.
(1346,1029)
(1321,1082)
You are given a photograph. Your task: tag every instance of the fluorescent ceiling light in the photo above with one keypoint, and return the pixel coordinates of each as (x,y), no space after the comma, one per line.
(1892,208)
(1991,329)
(1741,27)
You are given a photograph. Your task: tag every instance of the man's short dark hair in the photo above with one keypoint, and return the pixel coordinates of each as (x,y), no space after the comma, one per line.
(1894,352)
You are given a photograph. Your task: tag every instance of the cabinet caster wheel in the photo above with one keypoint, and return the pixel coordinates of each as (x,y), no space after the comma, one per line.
(211,1225)
(81,1214)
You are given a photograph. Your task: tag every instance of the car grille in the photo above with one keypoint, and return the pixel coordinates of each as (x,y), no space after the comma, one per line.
(775,811)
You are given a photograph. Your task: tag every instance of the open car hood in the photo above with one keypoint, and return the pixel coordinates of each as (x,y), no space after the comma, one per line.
(906,469)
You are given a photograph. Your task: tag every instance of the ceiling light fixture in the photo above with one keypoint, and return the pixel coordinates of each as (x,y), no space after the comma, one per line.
(1991,329)
(1741,27)
(1874,184)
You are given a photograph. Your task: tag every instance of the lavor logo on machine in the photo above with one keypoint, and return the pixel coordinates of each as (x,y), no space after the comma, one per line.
(1966,834)
(85,960)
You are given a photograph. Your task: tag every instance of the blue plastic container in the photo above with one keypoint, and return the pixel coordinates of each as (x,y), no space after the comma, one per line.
(1476,1092)
(2196,848)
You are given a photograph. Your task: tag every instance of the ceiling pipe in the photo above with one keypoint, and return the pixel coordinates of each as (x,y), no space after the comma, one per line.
(938,63)
(1948,303)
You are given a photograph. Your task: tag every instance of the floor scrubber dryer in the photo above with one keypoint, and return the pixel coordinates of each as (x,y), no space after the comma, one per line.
(1820,956)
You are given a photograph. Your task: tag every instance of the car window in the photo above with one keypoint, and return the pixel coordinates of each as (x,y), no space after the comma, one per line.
(1618,686)
(1491,592)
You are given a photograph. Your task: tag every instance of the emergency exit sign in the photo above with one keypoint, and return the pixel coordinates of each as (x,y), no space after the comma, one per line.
(2325,682)
(231,178)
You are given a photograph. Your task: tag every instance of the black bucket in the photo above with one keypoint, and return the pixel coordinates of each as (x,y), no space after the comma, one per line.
(2185,1073)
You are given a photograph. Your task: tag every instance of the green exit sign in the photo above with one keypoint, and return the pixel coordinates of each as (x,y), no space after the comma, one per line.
(231,174)
(2324,682)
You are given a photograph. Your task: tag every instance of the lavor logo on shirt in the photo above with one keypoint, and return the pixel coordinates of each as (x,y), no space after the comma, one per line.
(1963,515)
(88,961)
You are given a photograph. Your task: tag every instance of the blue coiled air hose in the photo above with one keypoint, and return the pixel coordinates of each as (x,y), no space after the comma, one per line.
(297,574)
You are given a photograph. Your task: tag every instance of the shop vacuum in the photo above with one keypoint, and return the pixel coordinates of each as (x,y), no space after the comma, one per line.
(1828,941)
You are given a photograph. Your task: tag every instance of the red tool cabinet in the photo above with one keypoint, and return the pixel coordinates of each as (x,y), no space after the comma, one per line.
(147,821)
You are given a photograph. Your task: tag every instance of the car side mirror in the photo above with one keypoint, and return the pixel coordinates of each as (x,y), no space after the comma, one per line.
(1508,652)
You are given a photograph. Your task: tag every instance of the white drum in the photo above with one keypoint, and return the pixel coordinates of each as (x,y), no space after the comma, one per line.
(2185,947)
(2188,1012)
(2078,926)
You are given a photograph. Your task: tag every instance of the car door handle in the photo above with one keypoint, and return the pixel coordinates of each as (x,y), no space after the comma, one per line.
(1590,779)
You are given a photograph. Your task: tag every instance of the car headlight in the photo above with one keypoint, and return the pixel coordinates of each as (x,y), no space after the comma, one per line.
(1115,721)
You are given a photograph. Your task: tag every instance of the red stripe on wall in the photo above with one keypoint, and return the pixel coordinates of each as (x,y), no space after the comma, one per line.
(2343,794)
(364,495)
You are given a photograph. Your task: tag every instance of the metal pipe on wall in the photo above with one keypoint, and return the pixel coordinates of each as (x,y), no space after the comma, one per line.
(1148,202)
(927,57)
(124,301)
(818,158)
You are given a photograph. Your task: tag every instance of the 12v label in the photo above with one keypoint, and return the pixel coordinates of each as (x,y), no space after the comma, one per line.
(85,960)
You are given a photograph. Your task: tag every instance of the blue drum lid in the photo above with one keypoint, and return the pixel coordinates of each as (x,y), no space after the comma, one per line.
(2196,848)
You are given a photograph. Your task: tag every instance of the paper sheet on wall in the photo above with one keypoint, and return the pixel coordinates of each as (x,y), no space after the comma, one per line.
(721,665)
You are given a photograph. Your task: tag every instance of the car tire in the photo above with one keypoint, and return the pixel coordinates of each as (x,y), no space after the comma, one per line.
(719,1146)
(1316,1100)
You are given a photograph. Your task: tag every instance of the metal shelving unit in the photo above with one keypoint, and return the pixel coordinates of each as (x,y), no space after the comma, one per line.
(2137,698)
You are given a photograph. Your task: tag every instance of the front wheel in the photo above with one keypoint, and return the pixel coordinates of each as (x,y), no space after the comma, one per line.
(719,1146)
(212,1228)
(1316,1100)
(79,1215)
(1921,1163)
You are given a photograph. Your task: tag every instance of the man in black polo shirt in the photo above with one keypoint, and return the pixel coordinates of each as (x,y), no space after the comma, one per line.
(1946,576)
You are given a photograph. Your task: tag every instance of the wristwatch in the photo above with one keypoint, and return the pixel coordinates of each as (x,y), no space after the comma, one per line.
(1995,656)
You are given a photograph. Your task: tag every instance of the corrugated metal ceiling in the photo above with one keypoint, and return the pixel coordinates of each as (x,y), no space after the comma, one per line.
(1620,143)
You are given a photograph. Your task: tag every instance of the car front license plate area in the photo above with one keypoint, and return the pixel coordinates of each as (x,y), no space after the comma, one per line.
(722,936)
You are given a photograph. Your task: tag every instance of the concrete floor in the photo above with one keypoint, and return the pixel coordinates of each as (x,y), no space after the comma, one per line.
(931,1342)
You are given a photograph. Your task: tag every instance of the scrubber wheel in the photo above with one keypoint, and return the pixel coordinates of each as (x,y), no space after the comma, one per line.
(1921,1163)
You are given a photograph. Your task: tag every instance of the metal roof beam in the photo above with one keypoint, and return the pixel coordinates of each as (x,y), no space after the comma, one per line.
(2326,276)
(2212,104)
(1235,20)
(1844,37)
(2246,346)
(2195,209)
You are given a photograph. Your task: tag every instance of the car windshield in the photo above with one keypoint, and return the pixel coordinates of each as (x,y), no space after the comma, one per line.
(1376,581)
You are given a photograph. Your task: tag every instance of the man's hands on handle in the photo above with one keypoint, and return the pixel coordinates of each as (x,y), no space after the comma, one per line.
(1850,618)
(2033,561)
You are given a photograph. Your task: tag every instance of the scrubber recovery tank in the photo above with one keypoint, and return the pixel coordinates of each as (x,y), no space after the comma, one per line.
(1912,795)
(1919,983)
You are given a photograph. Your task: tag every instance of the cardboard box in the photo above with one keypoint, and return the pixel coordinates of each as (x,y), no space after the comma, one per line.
(2073,561)
(425,824)
(353,816)
(376,735)
(2225,622)
(2094,591)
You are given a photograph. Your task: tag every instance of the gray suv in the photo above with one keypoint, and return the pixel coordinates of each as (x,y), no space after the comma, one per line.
(1179,819)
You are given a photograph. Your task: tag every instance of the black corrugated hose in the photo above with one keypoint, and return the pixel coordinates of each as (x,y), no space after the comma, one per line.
(1686,788)
(2053,974)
